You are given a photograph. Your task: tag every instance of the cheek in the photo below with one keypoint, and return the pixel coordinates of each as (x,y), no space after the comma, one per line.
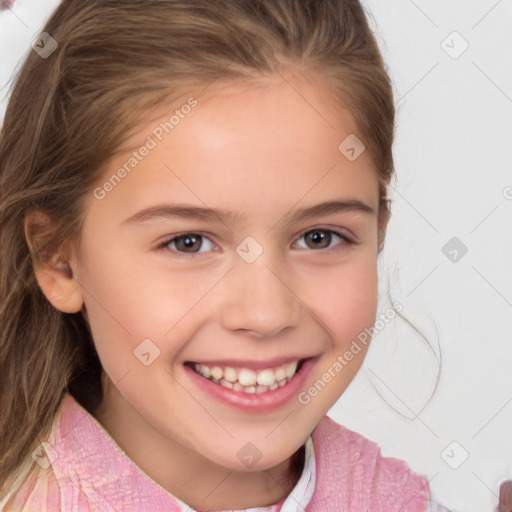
(128,301)
(347,300)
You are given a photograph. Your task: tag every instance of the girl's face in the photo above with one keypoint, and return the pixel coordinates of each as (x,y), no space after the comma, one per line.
(258,286)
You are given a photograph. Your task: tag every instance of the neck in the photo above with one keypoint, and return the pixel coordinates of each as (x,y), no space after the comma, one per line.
(186,475)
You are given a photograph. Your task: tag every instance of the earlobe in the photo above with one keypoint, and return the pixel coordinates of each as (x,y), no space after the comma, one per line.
(59,287)
(54,274)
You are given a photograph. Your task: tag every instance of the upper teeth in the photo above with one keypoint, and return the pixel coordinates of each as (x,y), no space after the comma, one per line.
(246,376)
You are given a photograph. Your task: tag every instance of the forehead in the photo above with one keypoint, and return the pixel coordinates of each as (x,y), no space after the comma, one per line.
(247,146)
(283,112)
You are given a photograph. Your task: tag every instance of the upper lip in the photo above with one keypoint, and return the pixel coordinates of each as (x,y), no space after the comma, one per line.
(239,363)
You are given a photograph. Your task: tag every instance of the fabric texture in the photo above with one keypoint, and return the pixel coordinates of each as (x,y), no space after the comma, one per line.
(84,470)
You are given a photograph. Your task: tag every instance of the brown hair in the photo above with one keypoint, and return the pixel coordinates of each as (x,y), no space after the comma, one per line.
(67,115)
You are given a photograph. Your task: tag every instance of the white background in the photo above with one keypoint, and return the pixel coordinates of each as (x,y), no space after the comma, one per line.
(453,157)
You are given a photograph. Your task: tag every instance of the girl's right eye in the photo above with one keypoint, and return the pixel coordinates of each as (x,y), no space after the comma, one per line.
(183,243)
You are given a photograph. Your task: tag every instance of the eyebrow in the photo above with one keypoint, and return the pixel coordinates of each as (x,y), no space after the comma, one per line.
(166,211)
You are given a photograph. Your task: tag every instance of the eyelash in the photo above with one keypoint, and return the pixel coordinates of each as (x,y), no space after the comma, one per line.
(346,243)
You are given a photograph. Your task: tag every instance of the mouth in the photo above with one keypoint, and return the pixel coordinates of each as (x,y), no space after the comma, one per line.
(249,379)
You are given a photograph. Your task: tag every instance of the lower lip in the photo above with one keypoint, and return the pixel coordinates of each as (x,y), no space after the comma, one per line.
(265,402)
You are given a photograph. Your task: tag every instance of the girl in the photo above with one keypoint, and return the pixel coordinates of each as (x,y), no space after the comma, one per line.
(193,199)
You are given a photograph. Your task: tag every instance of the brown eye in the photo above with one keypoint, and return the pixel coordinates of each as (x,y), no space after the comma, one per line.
(319,239)
(188,242)
(324,238)
(187,245)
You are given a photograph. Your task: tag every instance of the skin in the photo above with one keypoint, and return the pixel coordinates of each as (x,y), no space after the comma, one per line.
(261,152)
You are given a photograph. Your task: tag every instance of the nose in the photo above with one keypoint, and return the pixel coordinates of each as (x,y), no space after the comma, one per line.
(258,299)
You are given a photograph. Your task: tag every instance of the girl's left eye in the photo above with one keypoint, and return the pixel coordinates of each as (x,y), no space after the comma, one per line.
(187,242)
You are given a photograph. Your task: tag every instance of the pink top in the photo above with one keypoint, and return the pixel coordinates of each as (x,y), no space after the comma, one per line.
(83,469)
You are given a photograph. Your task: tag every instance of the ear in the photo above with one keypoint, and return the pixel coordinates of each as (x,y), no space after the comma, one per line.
(52,270)
(384,216)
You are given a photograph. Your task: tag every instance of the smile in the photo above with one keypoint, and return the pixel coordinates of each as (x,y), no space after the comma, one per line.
(249,380)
